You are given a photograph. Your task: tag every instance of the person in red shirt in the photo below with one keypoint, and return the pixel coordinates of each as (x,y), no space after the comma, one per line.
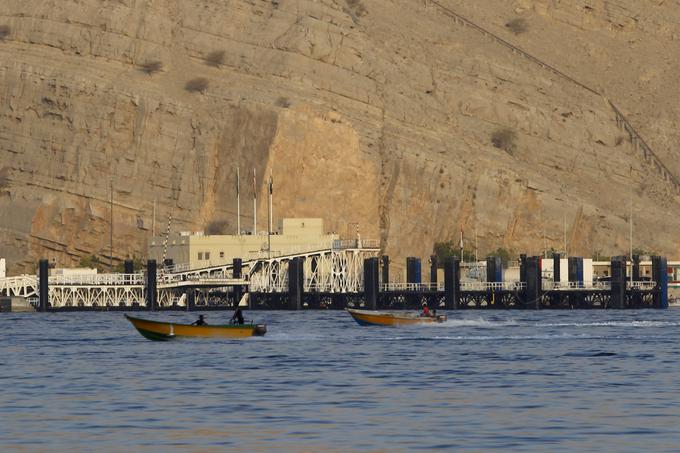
(426,310)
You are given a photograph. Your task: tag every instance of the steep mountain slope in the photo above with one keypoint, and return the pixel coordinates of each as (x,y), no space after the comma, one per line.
(381,112)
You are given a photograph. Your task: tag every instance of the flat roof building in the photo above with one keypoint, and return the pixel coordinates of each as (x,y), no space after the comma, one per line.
(200,250)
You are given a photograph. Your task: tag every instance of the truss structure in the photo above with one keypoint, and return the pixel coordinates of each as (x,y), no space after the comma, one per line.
(325,271)
(335,270)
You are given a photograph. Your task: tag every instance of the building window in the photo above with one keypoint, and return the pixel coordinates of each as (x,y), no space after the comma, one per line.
(207,255)
(221,254)
(200,256)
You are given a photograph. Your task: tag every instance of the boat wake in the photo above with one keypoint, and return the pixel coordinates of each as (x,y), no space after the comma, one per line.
(478,322)
(611,324)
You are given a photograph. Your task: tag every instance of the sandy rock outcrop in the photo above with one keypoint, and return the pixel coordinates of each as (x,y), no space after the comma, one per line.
(389,113)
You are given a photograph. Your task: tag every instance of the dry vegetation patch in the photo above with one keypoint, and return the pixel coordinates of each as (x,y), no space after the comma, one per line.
(197,85)
(151,67)
(5,30)
(518,26)
(504,139)
(215,58)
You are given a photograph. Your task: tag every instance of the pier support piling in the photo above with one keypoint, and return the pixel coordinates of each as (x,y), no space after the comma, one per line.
(660,276)
(494,274)
(385,269)
(371,287)
(533,291)
(556,267)
(434,265)
(618,281)
(43,284)
(237,272)
(296,281)
(451,283)
(151,285)
(191,299)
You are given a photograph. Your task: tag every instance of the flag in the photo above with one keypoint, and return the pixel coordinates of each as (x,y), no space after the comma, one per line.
(238,182)
(271,184)
(461,238)
(254,185)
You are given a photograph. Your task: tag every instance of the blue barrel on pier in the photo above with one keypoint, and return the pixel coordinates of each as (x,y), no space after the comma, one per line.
(575,265)
(413,270)
(494,269)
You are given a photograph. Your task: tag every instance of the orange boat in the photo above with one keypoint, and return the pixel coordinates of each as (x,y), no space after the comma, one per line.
(162,331)
(387,318)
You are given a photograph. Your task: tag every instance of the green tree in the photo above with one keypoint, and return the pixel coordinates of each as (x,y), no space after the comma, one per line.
(505,255)
(446,249)
(90,262)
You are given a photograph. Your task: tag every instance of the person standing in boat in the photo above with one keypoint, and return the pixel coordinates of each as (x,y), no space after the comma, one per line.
(426,310)
(200,321)
(237,318)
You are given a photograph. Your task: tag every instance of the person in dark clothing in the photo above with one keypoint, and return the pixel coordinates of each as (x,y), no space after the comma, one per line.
(200,321)
(237,318)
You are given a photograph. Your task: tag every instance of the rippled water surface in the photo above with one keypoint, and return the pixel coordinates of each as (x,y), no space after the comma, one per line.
(543,381)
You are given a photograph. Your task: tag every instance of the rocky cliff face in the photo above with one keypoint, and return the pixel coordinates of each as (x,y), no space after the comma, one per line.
(389,113)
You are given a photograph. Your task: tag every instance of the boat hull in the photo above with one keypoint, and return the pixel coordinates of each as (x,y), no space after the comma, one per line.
(378,318)
(164,331)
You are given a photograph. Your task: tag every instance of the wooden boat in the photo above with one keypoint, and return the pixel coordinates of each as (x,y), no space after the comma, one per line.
(161,331)
(387,318)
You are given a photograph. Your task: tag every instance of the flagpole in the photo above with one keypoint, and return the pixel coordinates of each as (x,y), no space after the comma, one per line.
(476,244)
(461,246)
(238,202)
(269,231)
(254,203)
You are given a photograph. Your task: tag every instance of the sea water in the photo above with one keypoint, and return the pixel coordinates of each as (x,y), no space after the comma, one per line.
(484,380)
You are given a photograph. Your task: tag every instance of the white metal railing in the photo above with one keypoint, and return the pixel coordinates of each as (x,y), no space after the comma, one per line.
(409,287)
(642,285)
(563,286)
(296,250)
(97,279)
(492,286)
(342,244)
(175,268)
(464,286)
(595,285)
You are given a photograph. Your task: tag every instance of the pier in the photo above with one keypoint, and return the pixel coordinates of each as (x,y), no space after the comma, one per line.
(349,274)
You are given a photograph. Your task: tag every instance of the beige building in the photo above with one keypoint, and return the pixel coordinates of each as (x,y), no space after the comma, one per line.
(200,250)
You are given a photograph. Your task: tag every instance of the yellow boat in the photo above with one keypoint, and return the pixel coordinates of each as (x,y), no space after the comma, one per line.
(386,318)
(161,331)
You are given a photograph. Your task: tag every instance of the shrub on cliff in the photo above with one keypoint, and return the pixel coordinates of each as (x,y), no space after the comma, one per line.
(151,67)
(4,178)
(517,26)
(356,9)
(504,139)
(4,31)
(216,227)
(215,59)
(443,250)
(197,85)
(283,102)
